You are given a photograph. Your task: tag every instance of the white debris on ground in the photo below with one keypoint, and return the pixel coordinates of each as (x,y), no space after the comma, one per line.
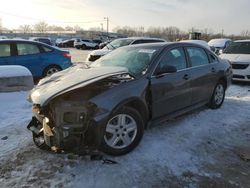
(196,150)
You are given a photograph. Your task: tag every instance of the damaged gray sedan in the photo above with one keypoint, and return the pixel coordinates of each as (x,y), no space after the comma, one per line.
(106,106)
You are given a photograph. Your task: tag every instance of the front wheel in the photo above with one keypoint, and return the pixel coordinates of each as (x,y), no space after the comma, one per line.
(218,96)
(84,47)
(123,132)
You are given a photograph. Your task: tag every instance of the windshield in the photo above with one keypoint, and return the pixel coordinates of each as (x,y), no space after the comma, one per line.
(118,43)
(135,59)
(238,48)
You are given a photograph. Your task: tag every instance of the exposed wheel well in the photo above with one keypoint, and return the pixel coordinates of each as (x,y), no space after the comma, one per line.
(140,107)
(224,81)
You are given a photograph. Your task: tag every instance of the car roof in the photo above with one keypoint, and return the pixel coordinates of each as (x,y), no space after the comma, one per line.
(247,40)
(165,44)
(199,42)
(140,38)
(26,41)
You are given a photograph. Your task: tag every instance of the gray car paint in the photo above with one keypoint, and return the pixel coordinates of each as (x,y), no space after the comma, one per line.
(153,96)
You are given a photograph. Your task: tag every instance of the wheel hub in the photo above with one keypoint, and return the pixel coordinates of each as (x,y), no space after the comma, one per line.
(121,131)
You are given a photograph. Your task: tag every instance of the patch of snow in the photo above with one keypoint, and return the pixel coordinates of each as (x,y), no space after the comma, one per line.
(13,71)
(15,113)
(186,145)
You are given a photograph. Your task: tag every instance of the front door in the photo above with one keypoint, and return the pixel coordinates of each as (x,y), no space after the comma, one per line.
(172,91)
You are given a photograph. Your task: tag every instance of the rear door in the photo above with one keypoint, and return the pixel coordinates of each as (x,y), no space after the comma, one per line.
(29,55)
(171,92)
(6,54)
(204,74)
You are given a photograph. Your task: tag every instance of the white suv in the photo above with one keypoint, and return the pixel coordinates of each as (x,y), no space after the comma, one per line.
(85,44)
(238,53)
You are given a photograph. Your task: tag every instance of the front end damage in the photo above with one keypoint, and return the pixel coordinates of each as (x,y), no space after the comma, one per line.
(70,122)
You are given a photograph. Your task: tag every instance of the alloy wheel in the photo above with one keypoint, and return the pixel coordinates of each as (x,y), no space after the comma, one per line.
(219,94)
(120,131)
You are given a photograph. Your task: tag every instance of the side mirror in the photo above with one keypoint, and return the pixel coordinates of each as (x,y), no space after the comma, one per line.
(166,69)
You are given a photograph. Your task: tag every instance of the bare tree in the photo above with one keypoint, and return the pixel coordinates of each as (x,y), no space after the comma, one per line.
(55,28)
(69,28)
(25,28)
(41,27)
(77,28)
(245,33)
(1,26)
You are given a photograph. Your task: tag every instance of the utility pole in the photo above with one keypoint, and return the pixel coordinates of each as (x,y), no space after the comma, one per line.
(102,27)
(222,33)
(107,19)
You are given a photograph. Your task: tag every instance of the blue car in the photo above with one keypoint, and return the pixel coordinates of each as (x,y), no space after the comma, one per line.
(41,59)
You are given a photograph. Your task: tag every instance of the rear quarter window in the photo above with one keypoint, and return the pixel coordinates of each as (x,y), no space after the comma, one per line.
(27,49)
(46,49)
(197,56)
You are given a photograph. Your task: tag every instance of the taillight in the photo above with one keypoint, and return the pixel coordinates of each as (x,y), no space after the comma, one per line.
(67,55)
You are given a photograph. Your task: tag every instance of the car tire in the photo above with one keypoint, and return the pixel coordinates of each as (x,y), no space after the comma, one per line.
(84,47)
(218,96)
(122,132)
(51,70)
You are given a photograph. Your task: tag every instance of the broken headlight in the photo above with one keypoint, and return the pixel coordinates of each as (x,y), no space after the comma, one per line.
(73,117)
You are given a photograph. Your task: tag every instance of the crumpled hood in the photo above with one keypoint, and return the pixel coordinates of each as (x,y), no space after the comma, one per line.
(70,79)
(243,58)
(100,52)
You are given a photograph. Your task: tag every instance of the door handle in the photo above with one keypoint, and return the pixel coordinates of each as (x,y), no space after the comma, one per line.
(186,77)
(213,69)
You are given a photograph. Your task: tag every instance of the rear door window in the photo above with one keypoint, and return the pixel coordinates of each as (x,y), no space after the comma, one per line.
(197,56)
(5,50)
(27,49)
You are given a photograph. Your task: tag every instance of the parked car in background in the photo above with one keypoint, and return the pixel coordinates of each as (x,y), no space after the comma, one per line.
(103,44)
(219,44)
(58,40)
(41,59)
(69,43)
(96,54)
(3,37)
(44,40)
(238,53)
(98,41)
(108,104)
(85,44)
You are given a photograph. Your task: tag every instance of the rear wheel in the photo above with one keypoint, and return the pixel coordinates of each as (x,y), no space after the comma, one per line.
(123,132)
(51,70)
(218,95)
(84,47)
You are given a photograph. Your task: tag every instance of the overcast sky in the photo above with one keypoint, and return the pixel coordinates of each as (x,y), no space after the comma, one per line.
(231,15)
